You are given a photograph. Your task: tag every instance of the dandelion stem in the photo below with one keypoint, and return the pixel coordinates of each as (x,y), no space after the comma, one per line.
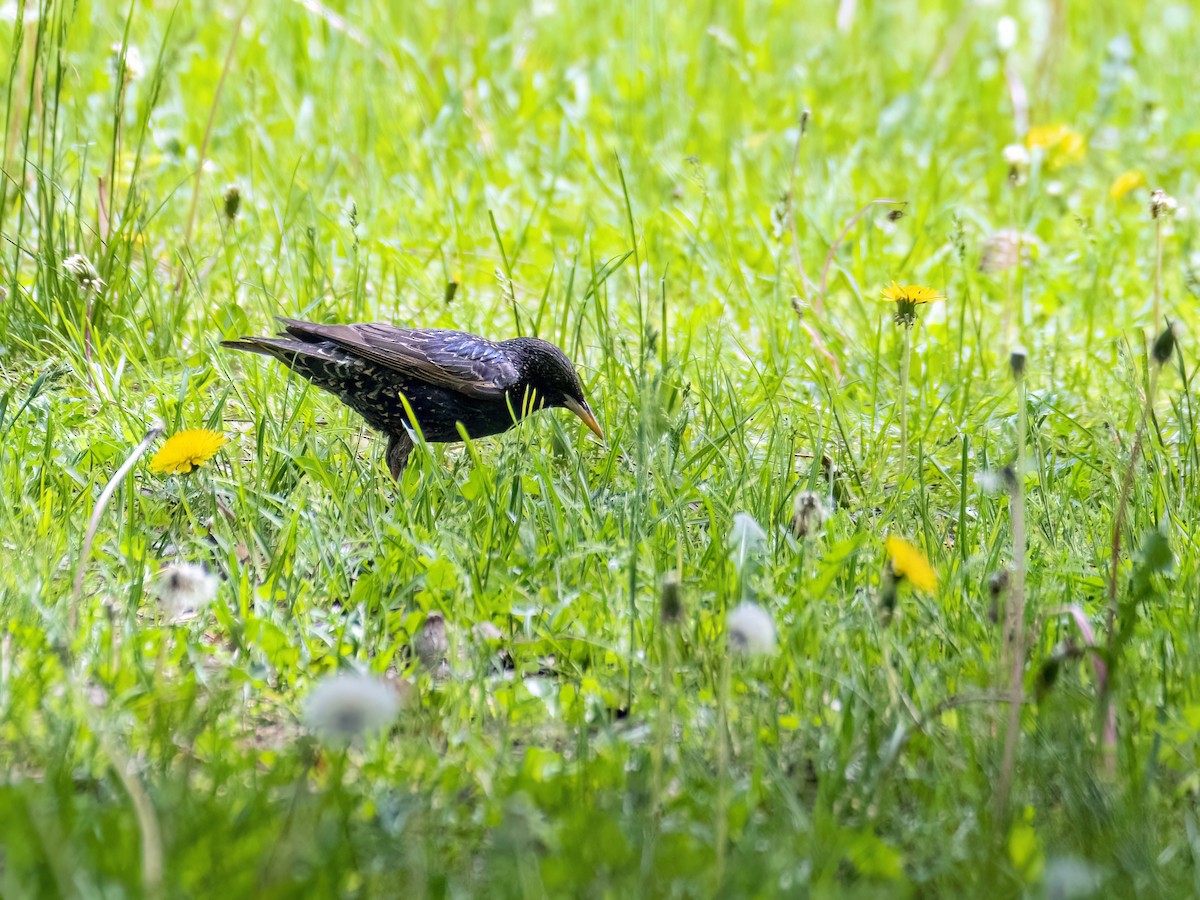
(101,504)
(1156,324)
(1006,322)
(665,678)
(143,809)
(791,203)
(899,696)
(722,836)
(1015,618)
(1108,717)
(905,363)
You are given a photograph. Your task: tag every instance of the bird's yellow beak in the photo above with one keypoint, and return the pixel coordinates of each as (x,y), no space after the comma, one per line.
(584,412)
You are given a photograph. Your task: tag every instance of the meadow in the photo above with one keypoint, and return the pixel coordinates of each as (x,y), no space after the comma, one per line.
(842,605)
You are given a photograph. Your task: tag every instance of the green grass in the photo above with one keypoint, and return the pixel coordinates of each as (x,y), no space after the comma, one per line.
(623,180)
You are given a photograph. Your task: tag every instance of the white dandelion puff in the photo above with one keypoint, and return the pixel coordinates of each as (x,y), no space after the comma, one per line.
(997,481)
(991,481)
(184,589)
(1162,204)
(1018,356)
(342,708)
(670,603)
(745,538)
(751,630)
(81,269)
(1016,155)
(1004,249)
(486,632)
(1006,33)
(231,200)
(134,67)
(808,514)
(431,644)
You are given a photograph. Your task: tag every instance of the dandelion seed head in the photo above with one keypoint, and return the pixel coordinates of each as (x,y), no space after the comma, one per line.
(808,514)
(1017,358)
(486,632)
(1006,33)
(1016,155)
(1004,249)
(670,605)
(345,707)
(431,643)
(183,589)
(745,538)
(1162,204)
(231,201)
(134,67)
(751,630)
(1164,345)
(991,482)
(1072,878)
(81,269)
(998,581)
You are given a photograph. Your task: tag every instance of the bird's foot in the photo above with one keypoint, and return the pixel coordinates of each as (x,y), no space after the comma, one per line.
(399,447)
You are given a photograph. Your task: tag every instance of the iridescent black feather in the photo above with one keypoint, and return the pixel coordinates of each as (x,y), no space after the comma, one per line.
(447,377)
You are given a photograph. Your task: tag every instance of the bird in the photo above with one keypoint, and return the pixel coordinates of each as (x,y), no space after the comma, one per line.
(432,378)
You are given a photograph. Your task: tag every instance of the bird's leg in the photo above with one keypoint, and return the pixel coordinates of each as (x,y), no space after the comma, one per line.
(398,448)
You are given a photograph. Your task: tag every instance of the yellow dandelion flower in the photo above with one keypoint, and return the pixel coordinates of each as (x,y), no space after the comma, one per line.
(1126,182)
(910,293)
(1061,144)
(187,450)
(910,563)
(906,297)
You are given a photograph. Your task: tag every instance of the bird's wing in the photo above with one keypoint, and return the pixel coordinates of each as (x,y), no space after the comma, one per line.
(454,360)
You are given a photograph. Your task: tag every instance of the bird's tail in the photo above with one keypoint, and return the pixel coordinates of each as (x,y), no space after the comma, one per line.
(280,348)
(298,338)
(322,362)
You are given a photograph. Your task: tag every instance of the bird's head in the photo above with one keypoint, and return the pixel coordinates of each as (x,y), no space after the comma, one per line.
(549,379)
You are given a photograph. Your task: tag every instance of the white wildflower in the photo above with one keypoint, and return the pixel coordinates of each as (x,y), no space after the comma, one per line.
(184,589)
(751,630)
(341,708)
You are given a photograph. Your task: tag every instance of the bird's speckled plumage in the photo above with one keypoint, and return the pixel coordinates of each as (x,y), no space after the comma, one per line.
(447,377)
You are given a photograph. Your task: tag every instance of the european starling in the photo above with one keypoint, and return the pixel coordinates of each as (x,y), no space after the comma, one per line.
(447,377)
